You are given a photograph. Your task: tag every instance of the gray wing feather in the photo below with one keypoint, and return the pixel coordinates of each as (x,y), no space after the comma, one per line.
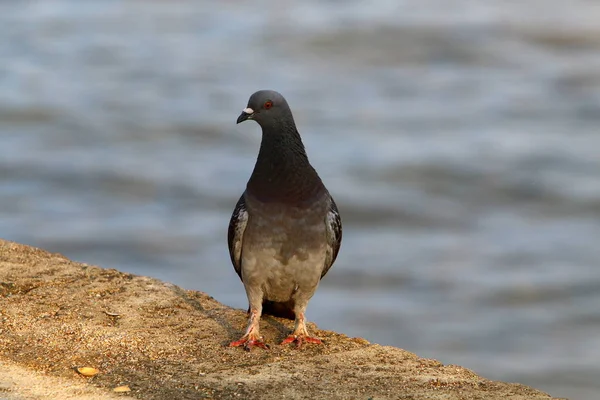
(333,224)
(235,234)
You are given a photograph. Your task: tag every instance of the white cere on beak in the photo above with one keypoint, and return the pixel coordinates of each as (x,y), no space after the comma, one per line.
(248,110)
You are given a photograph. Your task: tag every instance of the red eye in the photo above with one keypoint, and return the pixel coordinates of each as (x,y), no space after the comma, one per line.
(268,104)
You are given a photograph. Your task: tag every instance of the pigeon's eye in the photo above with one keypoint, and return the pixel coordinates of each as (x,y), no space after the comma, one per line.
(268,104)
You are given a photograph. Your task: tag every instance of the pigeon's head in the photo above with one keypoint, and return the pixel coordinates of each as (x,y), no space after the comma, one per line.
(268,108)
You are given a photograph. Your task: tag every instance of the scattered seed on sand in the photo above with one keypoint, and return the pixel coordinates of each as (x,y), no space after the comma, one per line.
(112,314)
(87,371)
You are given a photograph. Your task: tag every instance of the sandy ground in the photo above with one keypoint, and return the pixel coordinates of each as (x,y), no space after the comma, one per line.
(170,343)
(19,383)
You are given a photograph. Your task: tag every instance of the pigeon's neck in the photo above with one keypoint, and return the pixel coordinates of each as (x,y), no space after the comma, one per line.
(282,172)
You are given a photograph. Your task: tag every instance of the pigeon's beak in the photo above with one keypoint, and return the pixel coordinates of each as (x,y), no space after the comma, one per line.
(247,113)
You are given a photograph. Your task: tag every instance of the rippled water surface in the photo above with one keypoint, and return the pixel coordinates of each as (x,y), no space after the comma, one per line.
(460,139)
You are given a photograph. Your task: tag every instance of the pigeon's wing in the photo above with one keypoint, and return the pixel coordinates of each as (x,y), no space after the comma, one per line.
(235,234)
(333,224)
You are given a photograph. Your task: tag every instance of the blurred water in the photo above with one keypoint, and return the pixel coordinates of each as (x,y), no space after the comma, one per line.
(459,138)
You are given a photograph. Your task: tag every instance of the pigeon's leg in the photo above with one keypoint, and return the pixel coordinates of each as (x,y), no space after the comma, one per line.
(300,334)
(252,336)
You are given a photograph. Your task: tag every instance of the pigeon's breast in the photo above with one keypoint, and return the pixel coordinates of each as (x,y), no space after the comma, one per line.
(284,248)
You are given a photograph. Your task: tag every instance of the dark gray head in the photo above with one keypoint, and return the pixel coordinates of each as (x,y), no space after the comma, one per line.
(269,109)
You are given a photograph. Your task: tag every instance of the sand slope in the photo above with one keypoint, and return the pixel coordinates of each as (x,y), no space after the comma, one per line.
(170,343)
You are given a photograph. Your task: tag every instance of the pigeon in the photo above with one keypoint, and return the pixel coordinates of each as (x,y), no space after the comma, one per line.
(285,231)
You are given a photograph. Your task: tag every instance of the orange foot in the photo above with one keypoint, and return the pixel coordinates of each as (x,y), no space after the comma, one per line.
(249,344)
(300,339)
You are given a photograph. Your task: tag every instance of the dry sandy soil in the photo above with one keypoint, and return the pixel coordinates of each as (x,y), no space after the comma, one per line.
(164,342)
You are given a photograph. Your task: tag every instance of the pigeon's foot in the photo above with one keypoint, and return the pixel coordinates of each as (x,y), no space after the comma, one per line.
(300,334)
(252,336)
(249,343)
(301,339)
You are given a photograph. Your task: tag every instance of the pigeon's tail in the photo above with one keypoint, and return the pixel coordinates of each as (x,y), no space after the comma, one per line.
(281,310)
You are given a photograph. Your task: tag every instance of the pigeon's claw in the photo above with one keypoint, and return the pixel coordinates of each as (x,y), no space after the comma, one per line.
(300,339)
(249,343)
